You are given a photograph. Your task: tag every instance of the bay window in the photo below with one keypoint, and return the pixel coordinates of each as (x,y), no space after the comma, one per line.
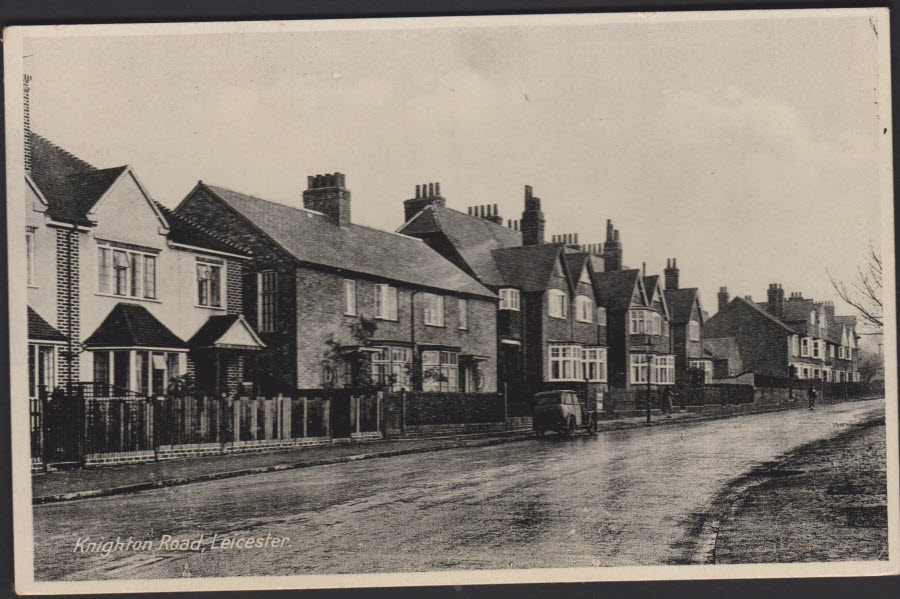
(663,370)
(391,367)
(146,371)
(645,322)
(593,364)
(440,371)
(640,364)
(704,365)
(565,363)
(804,347)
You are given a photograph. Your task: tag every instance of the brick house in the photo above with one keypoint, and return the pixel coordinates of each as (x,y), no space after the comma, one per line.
(342,305)
(550,333)
(118,286)
(685,326)
(794,337)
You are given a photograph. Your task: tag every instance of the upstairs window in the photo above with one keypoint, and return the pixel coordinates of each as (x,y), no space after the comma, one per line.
(815,349)
(126,273)
(509,299)
(462,307)
(795,345)
(349,297)
(267,284)
(645,322)
(558,303)
(434,310)
(209,283)
(29,254)
(385,302)
(584,309)
(804,347)
(601,316)
(693,330)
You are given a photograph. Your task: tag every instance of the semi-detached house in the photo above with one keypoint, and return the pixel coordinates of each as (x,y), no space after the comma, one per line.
(340,304)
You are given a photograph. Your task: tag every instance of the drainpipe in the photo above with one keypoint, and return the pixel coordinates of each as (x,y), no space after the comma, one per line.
(69,309)
(416,376)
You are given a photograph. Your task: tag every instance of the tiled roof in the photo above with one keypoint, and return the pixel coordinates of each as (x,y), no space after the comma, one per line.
(131,325)
(186,231)
(310,237)
(717,325)
(41,330)
(722,348)
(473,238)
(70,185)
(527,267)
(615,288)
(212,330)
(681,303)
(575,264)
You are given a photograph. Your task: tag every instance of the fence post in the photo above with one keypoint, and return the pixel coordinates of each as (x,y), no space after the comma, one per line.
(327,417)
(378,396)
(403,411)
(506,404)
(305,417)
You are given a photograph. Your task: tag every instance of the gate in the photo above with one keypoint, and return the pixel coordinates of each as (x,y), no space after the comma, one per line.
(340,413)
(62,416)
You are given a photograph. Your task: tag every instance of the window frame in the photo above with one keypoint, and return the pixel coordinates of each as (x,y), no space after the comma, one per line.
(639,369)
(392,361)
(350,297)
(386,302)
(557,303)
(30,252)
(510,299)
(564,362)
(135,277)
(584,308)
(267,284)
(693,330)
(215,286)
(601,316)
(447,364)
(462,309)
(433,310)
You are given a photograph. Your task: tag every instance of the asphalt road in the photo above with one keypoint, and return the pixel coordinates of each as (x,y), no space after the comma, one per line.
(631,497)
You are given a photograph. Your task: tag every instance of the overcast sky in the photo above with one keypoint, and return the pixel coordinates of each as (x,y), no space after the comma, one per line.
(747,149)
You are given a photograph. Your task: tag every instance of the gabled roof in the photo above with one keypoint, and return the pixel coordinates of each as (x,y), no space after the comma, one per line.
(311,238)
(528,267)
(70,185)
(681,303)
(575,264)
(715,325)
(722,348)
(189,232)
(131,325)
(474,238)
(615,288)
(227,331)
(41,330)
(651,287)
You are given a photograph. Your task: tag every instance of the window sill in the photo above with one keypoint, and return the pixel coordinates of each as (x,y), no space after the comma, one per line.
(350,314)
(32,286)
(584,321)
(129,298)
(210,307)
(509,309)
(557,317)
(436,326)
(387,319)
(462,328)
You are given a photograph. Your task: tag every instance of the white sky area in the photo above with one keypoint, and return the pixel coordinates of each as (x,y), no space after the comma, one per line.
(746,149)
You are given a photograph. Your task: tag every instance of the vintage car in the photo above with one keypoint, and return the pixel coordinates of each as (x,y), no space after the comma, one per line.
(562,411)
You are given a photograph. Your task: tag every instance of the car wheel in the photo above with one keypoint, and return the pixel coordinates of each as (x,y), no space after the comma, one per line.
(538,432)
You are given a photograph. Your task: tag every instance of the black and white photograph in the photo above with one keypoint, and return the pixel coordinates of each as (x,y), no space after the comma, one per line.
(451,300)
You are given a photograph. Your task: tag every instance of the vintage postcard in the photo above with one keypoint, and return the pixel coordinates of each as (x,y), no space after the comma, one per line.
(389,302)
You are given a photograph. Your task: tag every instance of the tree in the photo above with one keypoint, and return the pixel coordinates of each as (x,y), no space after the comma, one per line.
(863,293)
(870,366)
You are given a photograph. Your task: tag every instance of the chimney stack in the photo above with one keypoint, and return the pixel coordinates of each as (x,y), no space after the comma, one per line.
(671,274)
(612,249)
(776,300)
(329,195)
(426,194)
(723,298)
(532,220)
(27,124)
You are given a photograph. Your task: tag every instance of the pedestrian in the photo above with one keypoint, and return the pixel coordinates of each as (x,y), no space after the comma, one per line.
(667,401)
(811,395)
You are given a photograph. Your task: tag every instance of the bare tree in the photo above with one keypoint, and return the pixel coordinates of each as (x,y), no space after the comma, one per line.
(864,291)
(871,366)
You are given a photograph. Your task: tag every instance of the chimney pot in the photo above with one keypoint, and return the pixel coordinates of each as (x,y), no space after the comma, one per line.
(418,192)
(437,189)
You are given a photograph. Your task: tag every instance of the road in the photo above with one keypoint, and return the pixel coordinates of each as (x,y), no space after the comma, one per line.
(631,497)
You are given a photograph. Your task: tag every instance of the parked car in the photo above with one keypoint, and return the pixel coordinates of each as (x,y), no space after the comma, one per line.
(562,411)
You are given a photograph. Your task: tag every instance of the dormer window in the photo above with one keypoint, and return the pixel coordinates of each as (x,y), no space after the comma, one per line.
(693,328)
(558,303)
(509,299)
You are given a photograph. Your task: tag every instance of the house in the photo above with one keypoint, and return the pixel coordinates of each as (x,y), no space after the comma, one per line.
(118,286)
(340,304)
(685,325)
(794,337)
(550,332)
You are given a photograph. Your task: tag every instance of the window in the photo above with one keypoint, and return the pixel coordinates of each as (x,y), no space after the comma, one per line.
(704,365)
(462,307)
(593,364)
(795,345)
(267,284)
(152,370)
(639,368)
(509,299)
(812,318)
(805,371)
(664,370)
(815,348)
(558,303)
(391,367)
(209,284)
(349,297)
(565,363)
(601,316)
(440,371)
(693,328)
(830,350)
(126,273)
(29,254)
(841,352)
(804,347)
(385,302)
(434,310)
(645,322)
(584,309)
(41,368)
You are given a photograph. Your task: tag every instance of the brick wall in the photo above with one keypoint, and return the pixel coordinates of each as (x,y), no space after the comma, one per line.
(234,290)
(68,304)
(763,343)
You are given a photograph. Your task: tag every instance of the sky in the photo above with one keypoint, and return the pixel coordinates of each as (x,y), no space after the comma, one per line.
(747,149)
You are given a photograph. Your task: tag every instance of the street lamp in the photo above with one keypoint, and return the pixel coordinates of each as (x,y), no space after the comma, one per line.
(647,359)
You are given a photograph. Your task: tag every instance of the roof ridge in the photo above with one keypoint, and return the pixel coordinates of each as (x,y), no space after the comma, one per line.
(766,314)
(64,151)
(388,232)
(253,197)
(477,218)
(202,228)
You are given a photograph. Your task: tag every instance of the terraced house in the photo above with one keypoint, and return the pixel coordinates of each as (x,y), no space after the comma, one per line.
(550,331)
(120,290)
(794,337)
(340,304)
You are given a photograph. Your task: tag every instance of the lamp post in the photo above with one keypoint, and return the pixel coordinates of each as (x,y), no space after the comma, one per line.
(647,359)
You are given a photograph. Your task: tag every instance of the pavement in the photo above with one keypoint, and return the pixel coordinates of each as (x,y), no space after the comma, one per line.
(624,497)
(69,485)
(826,501)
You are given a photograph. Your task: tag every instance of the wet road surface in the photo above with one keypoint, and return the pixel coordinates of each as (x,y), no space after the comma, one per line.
(629,497)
